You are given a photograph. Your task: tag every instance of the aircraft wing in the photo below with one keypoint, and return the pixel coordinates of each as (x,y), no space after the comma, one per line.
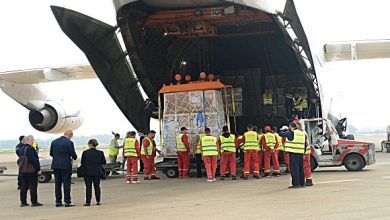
(357,50)
(49,74)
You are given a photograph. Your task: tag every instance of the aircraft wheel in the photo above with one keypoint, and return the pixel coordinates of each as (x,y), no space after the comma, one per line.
(354,162)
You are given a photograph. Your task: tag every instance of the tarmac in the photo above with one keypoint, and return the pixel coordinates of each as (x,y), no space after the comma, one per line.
(337,194)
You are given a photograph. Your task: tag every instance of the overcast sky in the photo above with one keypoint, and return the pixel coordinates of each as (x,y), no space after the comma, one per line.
(31,38)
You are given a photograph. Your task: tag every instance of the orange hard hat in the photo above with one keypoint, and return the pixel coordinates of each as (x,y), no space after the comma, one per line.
(267,128)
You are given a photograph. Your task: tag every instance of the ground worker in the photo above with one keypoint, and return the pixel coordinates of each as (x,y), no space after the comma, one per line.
(261,150)
(113,150)
(251,152)
(141,164)
(281,150)
(306,161)
(227,144)
(147,155)
(183,152)
(297,99)
(131,150)
(270,144)
(295,146)
(198,153)
(210,153)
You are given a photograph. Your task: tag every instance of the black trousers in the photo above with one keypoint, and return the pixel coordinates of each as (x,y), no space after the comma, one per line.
(296,169)
(198,159)
(29,182)
(88,180)
(62,178)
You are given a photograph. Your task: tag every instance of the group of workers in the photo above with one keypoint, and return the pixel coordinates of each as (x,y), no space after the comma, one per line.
(132,152)
(260,150)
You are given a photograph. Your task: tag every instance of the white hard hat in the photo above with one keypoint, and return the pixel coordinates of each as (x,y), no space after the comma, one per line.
(284,128)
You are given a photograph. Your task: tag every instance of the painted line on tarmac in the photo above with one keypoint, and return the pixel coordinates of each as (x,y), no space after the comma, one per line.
(337,181)
(385,177)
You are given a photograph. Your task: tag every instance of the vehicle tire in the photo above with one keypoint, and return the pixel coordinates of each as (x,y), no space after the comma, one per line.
(350,137)
(387,147)
(383,145)
(107,173)
(44,178)
(313,163)
(354,162)
(171,172)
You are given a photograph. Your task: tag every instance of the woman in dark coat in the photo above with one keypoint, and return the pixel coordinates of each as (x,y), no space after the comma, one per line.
(92,161)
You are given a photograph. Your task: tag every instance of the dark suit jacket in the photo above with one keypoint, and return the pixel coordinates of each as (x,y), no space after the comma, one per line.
(92,160)
(62,151)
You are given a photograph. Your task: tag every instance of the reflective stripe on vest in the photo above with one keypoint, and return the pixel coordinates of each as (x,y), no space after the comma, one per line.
(129,148)
(251,141)
(280,142)
(270,140)
(209,146)
(297,104)
(267,99)
(297,145)
(198,150)
(180,147)
(150,147)
(228,144)
(112,151)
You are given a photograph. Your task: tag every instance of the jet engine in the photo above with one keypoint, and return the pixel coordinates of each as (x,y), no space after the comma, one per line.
(54,118)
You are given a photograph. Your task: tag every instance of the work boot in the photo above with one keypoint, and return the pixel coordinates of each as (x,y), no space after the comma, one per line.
(222,178)
(146,178)
(266,175)
(257,177)
(234,178)
(36,204)
(309,182)
(277,174)
(24,204)
(287,170)
(155,178)
(245,178)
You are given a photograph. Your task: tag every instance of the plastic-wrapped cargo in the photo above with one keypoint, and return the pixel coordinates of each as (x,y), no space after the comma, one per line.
(194,110)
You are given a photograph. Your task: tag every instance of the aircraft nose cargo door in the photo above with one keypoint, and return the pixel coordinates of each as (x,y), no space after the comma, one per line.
(194,106)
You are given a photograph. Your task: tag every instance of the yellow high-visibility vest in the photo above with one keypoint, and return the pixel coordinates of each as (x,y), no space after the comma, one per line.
(129,148)
(198,150)
(267,98)
(209,146)
(228,144)
(297,145)
(35,146)
(180,147)
(270,140)
(251,141)
(297,104)
(112,151)
(280,142)
(150,147)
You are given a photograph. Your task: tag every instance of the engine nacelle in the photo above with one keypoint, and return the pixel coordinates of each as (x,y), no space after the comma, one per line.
(54,118)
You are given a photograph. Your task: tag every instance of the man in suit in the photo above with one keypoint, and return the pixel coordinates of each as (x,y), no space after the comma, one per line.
(62,150)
